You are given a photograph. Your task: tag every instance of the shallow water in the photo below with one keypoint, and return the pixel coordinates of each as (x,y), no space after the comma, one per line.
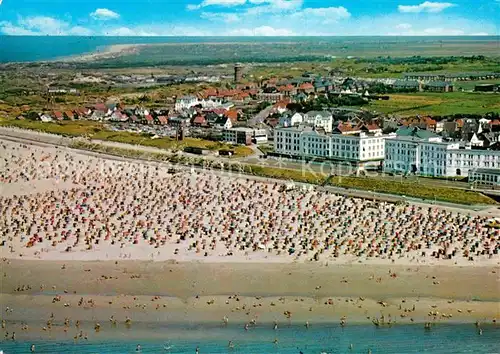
(293,339)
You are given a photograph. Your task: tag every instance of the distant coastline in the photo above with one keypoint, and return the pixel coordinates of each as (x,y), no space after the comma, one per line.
(108,52)
(50,48)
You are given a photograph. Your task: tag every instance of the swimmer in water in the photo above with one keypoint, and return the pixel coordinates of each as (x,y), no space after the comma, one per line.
(32,348)
(230,344)
(197,350)
(138,348)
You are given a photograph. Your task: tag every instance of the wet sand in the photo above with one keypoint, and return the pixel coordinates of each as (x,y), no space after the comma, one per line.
(183,293)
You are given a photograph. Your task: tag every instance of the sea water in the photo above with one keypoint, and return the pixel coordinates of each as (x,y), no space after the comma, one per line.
(291,339)
(41,48)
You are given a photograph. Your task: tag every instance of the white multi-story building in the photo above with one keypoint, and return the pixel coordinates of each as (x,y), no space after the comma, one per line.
(187,102)
(308,142)
(485,176)
(319,119)
(245,136)
(423,153)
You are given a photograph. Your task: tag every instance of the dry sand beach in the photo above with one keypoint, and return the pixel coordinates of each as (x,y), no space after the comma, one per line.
(94,240)
(108,52)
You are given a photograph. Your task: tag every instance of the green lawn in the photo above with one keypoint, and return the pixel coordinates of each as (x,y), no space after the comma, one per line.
(438,104)
(415,190)
(96,130)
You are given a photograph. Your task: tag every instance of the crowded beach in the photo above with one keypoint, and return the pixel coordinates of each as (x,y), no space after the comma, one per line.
(57,204)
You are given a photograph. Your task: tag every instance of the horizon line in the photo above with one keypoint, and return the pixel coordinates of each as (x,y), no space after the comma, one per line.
(256,36)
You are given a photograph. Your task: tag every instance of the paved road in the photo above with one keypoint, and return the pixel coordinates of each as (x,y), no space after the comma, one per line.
(259,117)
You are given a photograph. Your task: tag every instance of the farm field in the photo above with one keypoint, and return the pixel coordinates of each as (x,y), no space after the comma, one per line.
(438,104)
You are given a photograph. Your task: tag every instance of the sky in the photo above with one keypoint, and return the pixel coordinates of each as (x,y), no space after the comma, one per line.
(249,17)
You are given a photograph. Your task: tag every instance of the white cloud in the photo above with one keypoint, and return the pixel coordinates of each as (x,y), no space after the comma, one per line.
(130,32)
(274,6)
(220,16)
(427,6)
(226,3)
(104,14)
(158,30)
(403,26)
(323,15)
(79,31)
(262,31)
(440,31)
(42,25)
(13,30)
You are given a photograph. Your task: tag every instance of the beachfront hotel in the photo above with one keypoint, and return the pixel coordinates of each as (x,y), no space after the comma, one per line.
(422,152)
(357,147)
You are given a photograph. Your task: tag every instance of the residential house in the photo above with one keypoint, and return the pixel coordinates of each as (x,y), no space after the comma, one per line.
(199,121)
(148,119)
(233,115)
(83,112)
(118,116)
(280,107)
(162,120)
(69,115)
(291,121)
(306,87)
(45,118)
(288,90)
(223,123)
(58,115)
(495,125)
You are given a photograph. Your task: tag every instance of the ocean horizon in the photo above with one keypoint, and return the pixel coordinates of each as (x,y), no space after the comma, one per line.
(401,339)
(48,48)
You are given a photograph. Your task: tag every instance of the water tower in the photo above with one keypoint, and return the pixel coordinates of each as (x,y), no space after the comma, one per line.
(238,73)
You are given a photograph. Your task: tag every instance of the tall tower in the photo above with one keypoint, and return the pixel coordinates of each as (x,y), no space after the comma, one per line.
(238,73)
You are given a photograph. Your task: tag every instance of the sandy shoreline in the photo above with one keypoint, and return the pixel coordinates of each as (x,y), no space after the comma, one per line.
(170,294)
(178,284)
(108,52)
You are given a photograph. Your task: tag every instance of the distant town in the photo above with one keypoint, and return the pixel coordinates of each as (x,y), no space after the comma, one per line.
(312,117)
